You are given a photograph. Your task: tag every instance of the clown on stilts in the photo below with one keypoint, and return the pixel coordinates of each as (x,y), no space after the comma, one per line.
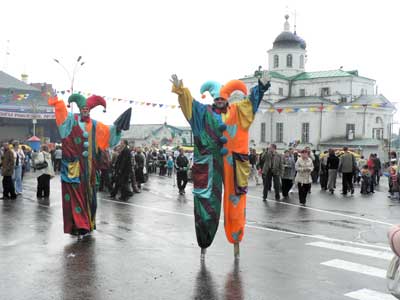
(82,139)
(221,146)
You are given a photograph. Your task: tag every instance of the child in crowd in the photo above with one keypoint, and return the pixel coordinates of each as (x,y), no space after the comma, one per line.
(367,185)
(170,166)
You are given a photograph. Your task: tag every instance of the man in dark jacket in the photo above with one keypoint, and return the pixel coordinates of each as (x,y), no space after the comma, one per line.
(123,169)
(377,168)
(272,170)
(7,170)
(347,166)
(332,165)
(139,167)
(181,166)
(104,166)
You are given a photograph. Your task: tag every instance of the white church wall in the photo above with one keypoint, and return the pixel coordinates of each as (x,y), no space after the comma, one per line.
(361,86)
(313,87)
(282,54)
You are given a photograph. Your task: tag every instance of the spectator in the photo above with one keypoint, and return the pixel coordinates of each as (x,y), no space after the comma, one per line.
(272,170)
(140,161)
(123,167)
(253,163)
(7,170)
(19,158)
(289,172)
(181,165)
(347,167)
(304,167)
(170,166)
(57,159)
(45,173)
(332,165)
(323,172)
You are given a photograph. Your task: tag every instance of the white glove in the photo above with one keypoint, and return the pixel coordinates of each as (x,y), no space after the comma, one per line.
(175,81)
(265,78)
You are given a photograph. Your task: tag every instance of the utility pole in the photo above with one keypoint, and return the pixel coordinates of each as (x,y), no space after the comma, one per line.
(364,112)
(321,108)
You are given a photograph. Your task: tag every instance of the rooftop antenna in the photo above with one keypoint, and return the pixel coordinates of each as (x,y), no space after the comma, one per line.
(295,23)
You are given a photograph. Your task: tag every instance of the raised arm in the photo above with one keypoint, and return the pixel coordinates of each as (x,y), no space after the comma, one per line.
(107,135)
(258,91)
(60,109)
(185,98)
(248,108)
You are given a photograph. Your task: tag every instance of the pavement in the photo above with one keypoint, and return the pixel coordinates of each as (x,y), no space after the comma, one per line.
(334,248)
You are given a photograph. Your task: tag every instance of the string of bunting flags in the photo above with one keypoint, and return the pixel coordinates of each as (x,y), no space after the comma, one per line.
(279,110)
(321,108)
(130,101)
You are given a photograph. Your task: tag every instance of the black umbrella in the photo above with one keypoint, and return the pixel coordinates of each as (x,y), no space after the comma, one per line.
(124,120)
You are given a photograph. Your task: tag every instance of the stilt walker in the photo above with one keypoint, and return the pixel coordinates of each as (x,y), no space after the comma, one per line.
(221,146)
(82,139)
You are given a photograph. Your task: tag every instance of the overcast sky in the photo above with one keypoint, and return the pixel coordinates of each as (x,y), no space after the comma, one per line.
(131,48)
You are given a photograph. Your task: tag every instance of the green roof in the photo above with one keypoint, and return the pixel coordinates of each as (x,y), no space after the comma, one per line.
(314,75)
(274,74)
(323,74)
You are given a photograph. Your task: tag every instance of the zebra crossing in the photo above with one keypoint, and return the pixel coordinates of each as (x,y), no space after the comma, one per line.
(381,255)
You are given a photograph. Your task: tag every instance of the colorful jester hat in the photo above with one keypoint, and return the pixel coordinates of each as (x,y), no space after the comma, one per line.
(216,90)
(90,102)
(231,86)
(212,87)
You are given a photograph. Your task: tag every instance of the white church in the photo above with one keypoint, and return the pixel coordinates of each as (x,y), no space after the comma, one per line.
(324,109)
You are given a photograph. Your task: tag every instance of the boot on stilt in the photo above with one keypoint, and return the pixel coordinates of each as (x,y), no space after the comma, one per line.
(203,253)
(236,250)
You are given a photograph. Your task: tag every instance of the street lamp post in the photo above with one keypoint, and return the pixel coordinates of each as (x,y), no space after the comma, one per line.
(76,68)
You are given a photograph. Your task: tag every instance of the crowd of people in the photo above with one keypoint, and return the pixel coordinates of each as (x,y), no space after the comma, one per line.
(298,169)
(121,170)
(124,169)
(16,160)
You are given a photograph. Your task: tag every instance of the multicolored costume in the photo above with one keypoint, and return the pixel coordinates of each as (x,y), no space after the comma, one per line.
(220,154)
(82,139)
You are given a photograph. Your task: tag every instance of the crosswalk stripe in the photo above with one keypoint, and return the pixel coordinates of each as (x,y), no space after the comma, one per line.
(354,250)
(365,294)
(354,267)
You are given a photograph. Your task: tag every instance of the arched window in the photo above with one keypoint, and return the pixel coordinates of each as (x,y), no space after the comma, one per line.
(301,61)
(276,61)
(378,120)
(289,60)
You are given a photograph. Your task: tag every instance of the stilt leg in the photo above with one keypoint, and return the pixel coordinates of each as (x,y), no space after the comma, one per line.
(236,250)
(203,253)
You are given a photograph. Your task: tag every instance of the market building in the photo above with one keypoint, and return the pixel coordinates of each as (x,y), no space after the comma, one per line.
(24,111)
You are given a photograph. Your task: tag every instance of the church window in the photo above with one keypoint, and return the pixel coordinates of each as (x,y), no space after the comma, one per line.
(263,133)
(301,61)
(350,131)
(289,60)
(279,132)
(280,91)
(302,92)
(325,92)
(276,61)
(378,120)
(377,133)
(305,133)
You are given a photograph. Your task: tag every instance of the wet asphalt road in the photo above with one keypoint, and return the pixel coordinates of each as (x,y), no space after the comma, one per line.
(146,248)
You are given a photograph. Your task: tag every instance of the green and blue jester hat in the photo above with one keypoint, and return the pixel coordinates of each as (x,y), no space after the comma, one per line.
(213,87)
